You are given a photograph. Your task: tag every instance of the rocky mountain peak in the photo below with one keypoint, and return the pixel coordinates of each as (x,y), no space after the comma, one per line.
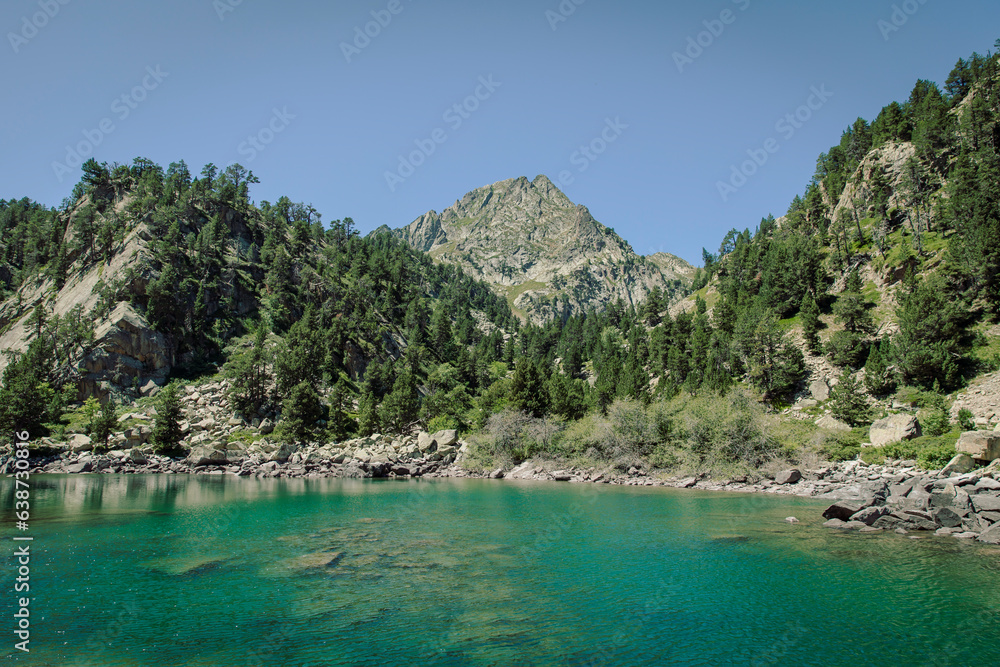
(545,253)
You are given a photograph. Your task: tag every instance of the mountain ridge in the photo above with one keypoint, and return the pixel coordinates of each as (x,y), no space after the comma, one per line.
(546,254)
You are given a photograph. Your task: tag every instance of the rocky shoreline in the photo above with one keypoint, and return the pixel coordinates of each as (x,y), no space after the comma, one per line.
(894,497)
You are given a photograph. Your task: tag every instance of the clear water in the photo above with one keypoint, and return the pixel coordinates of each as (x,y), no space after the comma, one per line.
(177,570)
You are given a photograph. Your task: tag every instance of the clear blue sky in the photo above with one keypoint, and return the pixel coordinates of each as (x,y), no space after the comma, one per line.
(554,87)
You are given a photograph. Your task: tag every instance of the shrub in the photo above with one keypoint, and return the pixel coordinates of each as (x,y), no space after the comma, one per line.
(965,420)
(936,454)
(843,445)
(936,422)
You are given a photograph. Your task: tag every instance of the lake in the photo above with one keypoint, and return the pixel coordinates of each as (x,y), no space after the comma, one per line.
(212,570)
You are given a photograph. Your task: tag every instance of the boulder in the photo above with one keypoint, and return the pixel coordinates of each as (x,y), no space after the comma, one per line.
(266,427)
(991,535)
(80,443)
(206,424)
(869,515)
(788,476)
(283,452)
(986,503)
(894,428)
(426,442)
(987,484)
(207,455)
(497,474)
(842,510)
(947,517)
(79,467)
(832,424)
(959,464)
(820,390)
(354,470)
(980,445)
(446,437)
(687,483)
(150,389)
(136,457)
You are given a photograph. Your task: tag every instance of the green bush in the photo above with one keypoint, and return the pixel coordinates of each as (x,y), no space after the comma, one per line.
(936,422)
(936,454)
(844,445)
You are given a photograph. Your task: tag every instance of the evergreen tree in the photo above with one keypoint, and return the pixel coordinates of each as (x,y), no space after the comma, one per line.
(879,378)
(527,389)
(809,312)
(401,406)
(167,427)
(300,410)
(24,395)
(930,345)
(249,376)
(368,414)
(102,423)
(849,403)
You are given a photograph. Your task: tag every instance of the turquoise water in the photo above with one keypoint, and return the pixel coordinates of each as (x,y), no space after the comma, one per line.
(178,570)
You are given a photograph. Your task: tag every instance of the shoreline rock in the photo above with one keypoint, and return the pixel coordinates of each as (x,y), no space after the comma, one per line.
(894,497)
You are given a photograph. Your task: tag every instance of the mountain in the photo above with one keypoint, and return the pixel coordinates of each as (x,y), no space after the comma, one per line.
(545,254)
(146,274)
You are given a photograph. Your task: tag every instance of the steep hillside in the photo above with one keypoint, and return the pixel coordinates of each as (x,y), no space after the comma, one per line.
(886,270)
(546,255)
(145,275)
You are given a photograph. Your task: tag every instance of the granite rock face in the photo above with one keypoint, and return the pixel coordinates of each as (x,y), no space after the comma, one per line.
(535,245)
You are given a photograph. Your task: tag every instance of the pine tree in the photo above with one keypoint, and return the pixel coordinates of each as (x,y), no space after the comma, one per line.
(24,395)
(879,379)
(103,423)
(167,427)
(301,409)
(249,376)
(527,389)
(929,346)
(809,312)
(849,403)
(368,415)
(401,406)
